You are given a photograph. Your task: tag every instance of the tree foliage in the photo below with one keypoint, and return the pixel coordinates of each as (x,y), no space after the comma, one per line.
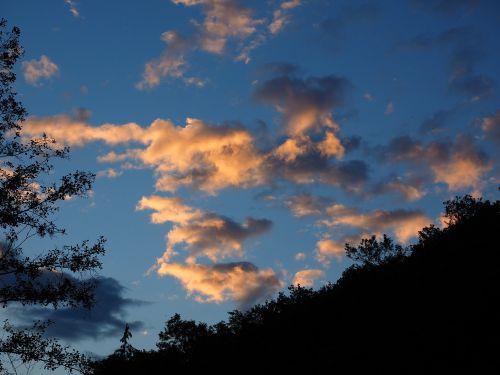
(29,197)
(426,308)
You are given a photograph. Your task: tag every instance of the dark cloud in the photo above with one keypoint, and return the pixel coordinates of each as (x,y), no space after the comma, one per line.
(466,53)
(305,103)
(410,187)
(437,122)
(448,7)
(106,318)
(278,69)
(347,17)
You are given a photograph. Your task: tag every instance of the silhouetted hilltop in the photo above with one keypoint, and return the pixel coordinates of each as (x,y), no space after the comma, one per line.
(427,308)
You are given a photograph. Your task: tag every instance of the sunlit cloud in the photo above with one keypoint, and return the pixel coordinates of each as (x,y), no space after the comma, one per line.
(459,165)
(202,234)
(172,63)
(201,155)
(306,205)
(306,104)
(491,127)
(306,278)
(410,187)
(72,8)
(328,248)
(281,15)
(35,70)
(242,282)
(300,256)
(405,224)
(108,173)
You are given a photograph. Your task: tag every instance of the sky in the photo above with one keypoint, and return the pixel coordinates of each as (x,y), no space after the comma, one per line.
(238,145)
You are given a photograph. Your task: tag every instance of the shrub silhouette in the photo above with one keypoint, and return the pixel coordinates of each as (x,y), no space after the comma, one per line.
(426,308)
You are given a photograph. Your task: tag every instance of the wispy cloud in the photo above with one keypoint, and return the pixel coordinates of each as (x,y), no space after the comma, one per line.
(73,8)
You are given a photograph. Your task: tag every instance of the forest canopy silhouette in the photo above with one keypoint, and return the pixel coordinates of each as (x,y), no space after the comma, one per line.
(423,308)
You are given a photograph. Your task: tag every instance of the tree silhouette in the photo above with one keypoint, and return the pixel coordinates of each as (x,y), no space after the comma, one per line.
(426,308)
(126,350)
(56,277)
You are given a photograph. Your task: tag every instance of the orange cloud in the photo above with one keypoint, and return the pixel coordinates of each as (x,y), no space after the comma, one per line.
(281,16)
(203,234)
(306,278)
(328,248)
(459,164)
(403,223)
(242,282)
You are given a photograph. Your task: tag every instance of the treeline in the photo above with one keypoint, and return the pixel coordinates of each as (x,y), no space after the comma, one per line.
(426,308)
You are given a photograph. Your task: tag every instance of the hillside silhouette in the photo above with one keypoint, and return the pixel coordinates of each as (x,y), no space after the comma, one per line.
(426,308)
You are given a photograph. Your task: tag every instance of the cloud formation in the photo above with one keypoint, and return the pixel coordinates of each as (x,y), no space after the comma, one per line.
(403,223)
(281,15)
(491,127)
(105,319)
(204,234)
(242,282)
(305,205)
(72,8)
(459,164)
(466,53)
(224,21)
(306,278)
(35,70)
(306,104)
(210,157)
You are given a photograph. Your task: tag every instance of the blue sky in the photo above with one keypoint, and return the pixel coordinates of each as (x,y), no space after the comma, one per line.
(259,136)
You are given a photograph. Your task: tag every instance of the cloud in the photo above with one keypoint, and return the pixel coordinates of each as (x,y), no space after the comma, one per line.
(327,248)
(459,165)
(172,63)
(105,319)
(306,278)
(411,187)
(281,15)
(437,122)
(74,132)
(448,7)
(306,104)
(389,108)
(242,282)
(403,223)
(300,256)
(205,156)
(204,234)
(224,21)
(35,70)
(347,17)
(108,173)
(491,127)
(72,8)
(305,205)
(466,53)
